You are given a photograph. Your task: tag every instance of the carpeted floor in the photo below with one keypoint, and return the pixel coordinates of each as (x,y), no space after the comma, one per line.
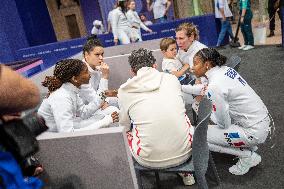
(263,69)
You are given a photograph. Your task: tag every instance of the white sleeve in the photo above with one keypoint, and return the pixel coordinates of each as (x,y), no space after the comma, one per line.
(220,107)
(94,31)
(192,89)
(103,85)
(124,119)
(114,23)
(62,110)
(85,111)
(130,17)
(143,26)
(91,124)
(89,94)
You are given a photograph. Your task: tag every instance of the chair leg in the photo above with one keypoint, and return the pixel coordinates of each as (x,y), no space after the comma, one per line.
(139,179)
(157,180)
(194,117)
(212,168)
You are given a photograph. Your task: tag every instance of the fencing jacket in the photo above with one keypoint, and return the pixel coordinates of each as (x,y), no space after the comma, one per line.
(97,84)
(64,111)
(234,101)
(119,22)
(134,20)
(152,103)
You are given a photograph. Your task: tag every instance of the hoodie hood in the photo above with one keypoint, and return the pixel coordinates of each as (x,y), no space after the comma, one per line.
(147,79)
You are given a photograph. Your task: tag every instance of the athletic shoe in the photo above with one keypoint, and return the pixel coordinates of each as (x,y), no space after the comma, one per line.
(187,179)
(241,47)
(248,47)
(244,164)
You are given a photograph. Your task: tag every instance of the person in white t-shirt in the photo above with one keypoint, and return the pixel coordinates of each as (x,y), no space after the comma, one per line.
(135,21)
(223,12)
(242,119)
(172,65)
(160,9)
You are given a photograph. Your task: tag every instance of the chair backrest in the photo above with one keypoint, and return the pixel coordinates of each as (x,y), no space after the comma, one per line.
(200,149)
(234,62)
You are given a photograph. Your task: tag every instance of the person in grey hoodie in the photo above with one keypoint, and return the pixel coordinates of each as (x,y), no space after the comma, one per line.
(152,110)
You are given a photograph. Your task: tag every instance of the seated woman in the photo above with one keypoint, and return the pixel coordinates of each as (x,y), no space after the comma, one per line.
(63,110)
(242,120)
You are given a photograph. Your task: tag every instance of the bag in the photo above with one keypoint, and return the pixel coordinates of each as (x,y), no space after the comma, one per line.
(260,34)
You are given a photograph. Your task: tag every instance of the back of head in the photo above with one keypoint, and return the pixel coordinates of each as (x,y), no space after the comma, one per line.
(141,58)
(92,42)
(189,29)
(166,42)
(211,55)
(63,72)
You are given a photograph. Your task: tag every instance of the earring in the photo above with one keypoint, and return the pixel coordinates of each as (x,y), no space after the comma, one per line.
(207,67)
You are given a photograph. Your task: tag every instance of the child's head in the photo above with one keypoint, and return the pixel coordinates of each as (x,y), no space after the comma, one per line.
(168,47)
(131,5)
(141,58)
(93,52)
(67,70)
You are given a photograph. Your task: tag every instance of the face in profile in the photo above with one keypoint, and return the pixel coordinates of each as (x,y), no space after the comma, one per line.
(84,76)
(171,52)
(199,68)
(95,57)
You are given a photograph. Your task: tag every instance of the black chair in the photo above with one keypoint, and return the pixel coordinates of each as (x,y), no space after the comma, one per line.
(201,156)
(234,62)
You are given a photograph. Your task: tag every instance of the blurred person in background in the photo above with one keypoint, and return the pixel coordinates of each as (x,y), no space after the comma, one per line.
(145,21)
(160,9)
(135,21)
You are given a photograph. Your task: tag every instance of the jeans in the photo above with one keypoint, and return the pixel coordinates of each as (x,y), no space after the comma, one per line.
(246,28)
(225,27)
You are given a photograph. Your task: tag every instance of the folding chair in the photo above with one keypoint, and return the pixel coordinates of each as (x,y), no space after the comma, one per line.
(234,62)
(198,164)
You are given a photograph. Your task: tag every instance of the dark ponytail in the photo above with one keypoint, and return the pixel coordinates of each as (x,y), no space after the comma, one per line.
(211,55)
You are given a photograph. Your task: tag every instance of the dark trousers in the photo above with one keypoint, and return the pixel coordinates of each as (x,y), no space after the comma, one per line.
(272,15)
(246,28)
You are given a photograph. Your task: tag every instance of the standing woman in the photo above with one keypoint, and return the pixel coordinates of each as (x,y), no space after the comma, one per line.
(135,21)
(242,120)
(121,27)
(246,28)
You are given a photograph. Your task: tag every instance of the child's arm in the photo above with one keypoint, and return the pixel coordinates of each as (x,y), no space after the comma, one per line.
(182,71)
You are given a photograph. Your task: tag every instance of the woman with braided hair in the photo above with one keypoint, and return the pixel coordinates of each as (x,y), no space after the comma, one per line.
(63,110)
(242,120)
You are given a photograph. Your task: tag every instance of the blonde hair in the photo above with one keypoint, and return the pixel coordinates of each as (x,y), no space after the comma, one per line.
(190,29)
(166,42)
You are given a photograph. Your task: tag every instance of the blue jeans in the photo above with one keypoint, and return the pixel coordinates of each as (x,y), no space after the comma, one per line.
(225,27)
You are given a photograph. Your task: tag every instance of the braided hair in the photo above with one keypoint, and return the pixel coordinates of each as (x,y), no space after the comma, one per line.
(190,29)
(141,58)
(211,55)
(92,42)
(63,72)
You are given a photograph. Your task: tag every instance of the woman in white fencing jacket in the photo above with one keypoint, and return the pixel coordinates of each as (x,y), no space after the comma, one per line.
(241,118)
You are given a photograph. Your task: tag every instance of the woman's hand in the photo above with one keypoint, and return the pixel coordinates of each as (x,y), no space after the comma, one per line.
(115,117)
(104,68)
(104,105)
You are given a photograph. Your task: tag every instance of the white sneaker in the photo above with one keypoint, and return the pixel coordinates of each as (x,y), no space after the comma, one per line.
(187,179)
(241,47)
(244,164)
(248,47)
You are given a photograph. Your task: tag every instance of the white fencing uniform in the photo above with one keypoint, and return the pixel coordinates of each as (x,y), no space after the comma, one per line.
(135,21)
(241,116)
(121,27)
(64,111)
(97,85)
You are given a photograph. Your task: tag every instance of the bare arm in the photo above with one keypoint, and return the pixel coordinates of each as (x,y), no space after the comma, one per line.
(181,71)
(16,92)
(168,6)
